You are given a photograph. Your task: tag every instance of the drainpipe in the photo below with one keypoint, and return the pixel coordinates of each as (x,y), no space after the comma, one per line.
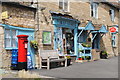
(38,25)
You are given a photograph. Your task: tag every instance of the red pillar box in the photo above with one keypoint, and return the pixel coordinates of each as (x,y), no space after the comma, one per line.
(22,51)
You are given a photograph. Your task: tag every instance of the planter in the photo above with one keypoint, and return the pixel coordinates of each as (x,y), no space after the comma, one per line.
(103,56)
(80,58)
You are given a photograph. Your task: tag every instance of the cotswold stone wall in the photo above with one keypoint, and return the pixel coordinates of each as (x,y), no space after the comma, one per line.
(19,16)
(45,20)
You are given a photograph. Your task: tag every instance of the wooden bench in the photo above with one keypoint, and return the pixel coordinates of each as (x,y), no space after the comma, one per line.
(49,56)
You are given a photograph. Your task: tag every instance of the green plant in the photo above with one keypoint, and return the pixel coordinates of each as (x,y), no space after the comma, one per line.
(87,57)
(86,45)
(83,57)
(68,57)
(80,50)
(34,44)
(104,53)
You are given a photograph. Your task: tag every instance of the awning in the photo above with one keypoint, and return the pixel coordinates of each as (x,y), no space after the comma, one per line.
(103,29)
(86,26)
(99,28)
(16,27)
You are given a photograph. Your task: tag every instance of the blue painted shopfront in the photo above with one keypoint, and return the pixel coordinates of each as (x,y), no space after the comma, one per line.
(63,22)
(20,31)
(83,31)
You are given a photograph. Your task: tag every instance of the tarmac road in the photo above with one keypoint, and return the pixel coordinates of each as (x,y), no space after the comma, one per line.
(106,68)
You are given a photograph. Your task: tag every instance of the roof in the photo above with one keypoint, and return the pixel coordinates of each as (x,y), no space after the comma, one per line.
(97,26)
(63,15)
(114,3)
(83,24)
(19,4)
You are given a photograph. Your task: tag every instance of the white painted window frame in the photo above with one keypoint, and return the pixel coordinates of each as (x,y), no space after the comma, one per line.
(63,6)
(11,39)
(112,15)
(95,15)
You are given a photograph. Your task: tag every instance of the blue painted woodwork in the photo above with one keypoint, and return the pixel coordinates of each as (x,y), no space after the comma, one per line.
(31,37)
(94,36)
(80,54)
(59,21)
(89,26)
(103,29)
(80,33)
(75,41)
(81,28)
(15,27)
(24,31)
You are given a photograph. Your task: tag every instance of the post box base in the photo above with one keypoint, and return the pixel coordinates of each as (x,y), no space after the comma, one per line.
(22,65)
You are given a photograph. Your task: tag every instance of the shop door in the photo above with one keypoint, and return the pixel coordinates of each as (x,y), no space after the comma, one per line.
(59,40)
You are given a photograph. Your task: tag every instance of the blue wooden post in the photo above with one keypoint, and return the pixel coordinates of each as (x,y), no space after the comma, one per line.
(55,45)
(75,41)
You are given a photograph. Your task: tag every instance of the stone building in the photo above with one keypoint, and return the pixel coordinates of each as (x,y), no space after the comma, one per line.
(62,26)
(102,15)
(16,19)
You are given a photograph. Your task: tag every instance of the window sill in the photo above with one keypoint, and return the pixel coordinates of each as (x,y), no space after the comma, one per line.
(10,48)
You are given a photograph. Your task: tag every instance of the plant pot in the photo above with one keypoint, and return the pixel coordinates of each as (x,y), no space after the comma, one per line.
(80,59)
(103,56)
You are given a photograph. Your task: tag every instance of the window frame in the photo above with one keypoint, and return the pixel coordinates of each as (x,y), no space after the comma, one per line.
(114,43)
(112,15)
(11,37)
(63,5)
(95,15)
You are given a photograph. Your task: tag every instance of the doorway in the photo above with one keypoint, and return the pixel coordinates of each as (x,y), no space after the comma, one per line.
(68,40)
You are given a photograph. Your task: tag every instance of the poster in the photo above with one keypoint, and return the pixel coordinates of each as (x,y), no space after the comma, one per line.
(46,37)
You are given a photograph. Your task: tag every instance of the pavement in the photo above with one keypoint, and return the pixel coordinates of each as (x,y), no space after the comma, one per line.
(103,68)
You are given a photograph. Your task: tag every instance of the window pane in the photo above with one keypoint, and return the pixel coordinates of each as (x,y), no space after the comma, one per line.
(14,43)
(14,33)
(7,38)
(14,38)
(7,42)
(66,5)
(7,33)
(60,4)
(94,7)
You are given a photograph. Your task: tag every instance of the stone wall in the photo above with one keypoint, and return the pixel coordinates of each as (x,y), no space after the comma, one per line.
(45,21)
(19,16)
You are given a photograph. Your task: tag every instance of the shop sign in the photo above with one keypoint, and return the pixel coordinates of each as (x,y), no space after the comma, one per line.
(113,29)
(46,37)
(4,15)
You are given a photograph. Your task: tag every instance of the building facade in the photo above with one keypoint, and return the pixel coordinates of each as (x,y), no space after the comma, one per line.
(64,26)
(99,13)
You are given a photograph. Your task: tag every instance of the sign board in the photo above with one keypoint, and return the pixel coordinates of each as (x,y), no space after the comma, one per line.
(113,29)
(46,37)
(4,15)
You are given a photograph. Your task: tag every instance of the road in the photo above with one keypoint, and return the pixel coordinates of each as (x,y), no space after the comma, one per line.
(107,68)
